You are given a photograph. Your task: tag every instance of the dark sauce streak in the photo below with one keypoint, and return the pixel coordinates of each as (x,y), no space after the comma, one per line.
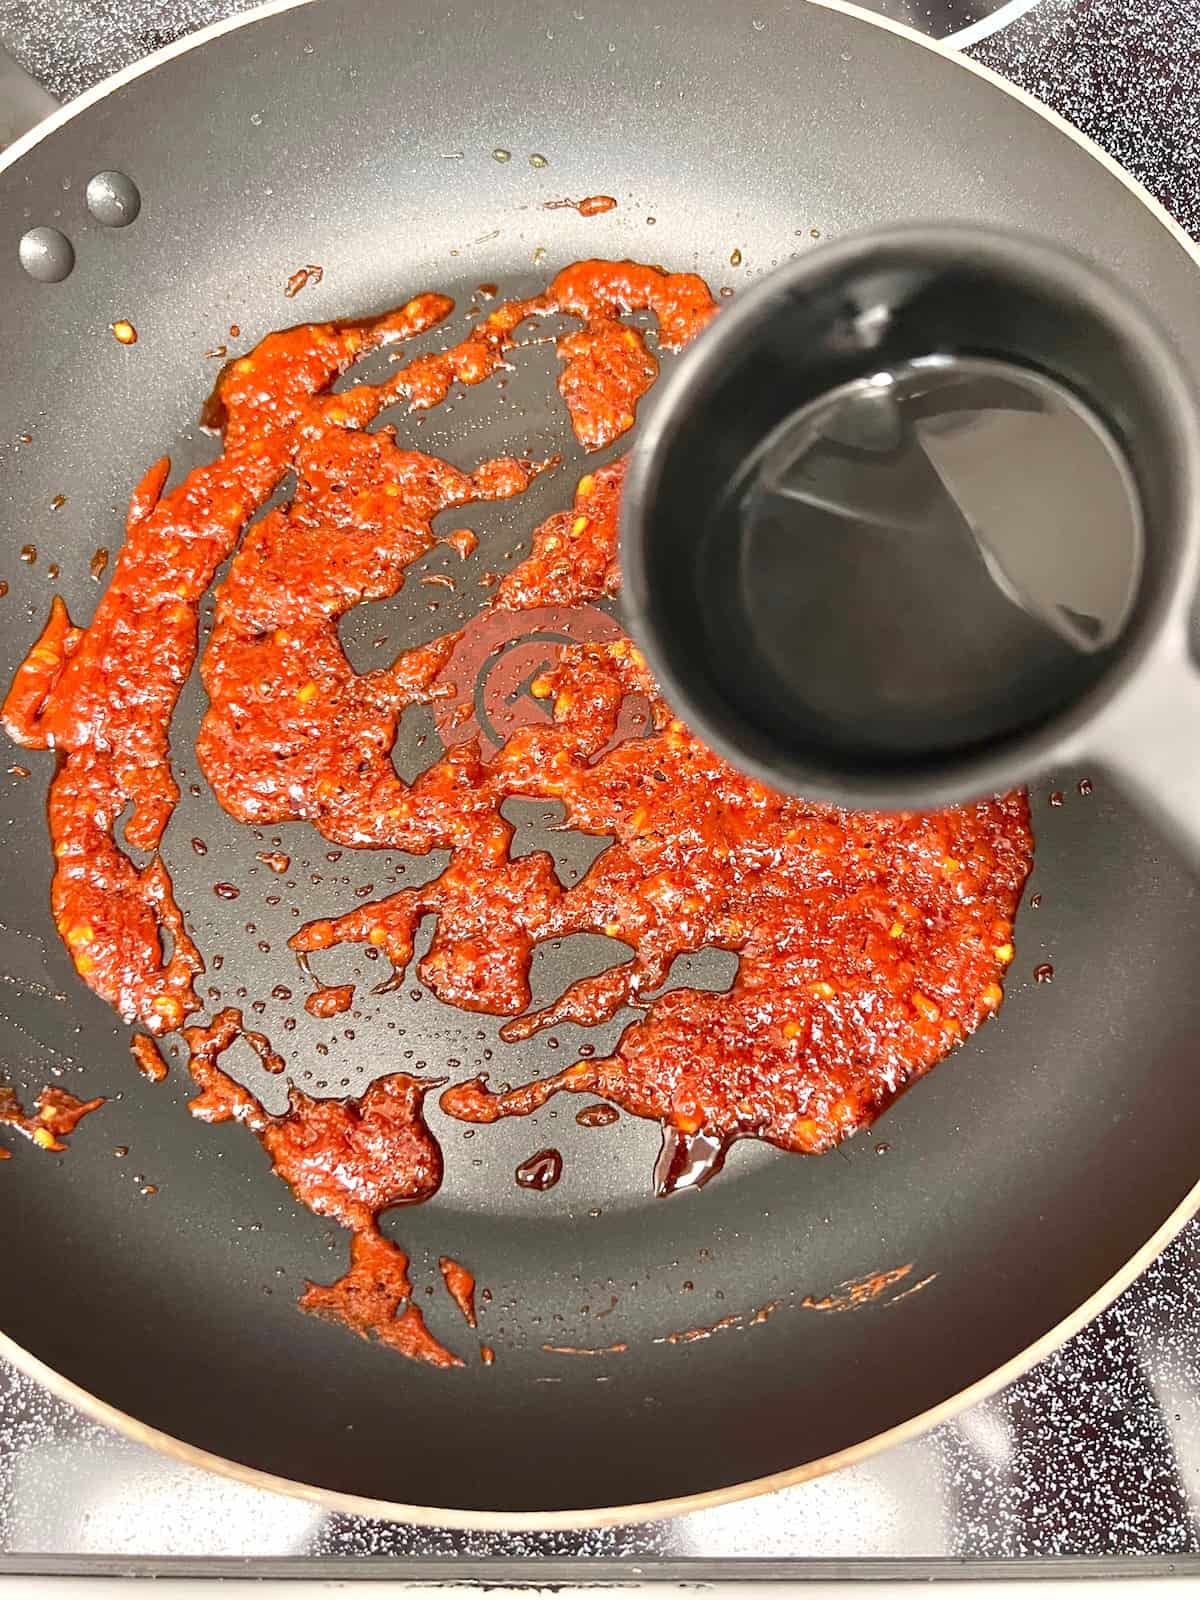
(540,1171)
(687,1160)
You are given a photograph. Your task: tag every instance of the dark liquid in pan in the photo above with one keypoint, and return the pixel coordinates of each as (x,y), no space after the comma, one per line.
(922,562)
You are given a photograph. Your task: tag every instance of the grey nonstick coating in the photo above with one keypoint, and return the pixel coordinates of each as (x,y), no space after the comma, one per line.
(1024,1174)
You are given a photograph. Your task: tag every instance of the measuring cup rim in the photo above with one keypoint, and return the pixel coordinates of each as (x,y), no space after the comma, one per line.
(1163,607)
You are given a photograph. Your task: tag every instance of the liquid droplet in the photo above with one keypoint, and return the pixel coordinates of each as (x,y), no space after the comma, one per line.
(687,1160)
(541,1171)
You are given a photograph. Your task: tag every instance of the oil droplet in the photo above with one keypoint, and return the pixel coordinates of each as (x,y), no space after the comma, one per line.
(256,118)
(536,160)
(29,554)
(227,891)
(199,846)
(1056,799)
(1035,901)
(1084,786)
(501,155)
(98,563)
(882,1149)
(1044,973)
(541,1171)
(58,502)
(124,331)
(735,260)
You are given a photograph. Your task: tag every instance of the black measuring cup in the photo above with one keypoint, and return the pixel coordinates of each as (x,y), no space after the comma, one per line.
(918,518)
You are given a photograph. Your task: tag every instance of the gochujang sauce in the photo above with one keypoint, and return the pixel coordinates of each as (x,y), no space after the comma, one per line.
(867,946)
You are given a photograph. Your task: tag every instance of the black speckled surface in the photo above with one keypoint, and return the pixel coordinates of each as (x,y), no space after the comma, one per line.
(1096,1453)
(1127,74)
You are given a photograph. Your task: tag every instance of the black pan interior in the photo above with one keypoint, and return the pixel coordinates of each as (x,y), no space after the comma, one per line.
(1017,1179)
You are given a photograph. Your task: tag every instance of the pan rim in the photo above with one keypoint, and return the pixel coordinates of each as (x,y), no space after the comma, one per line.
(1016,1366)
(102,1412)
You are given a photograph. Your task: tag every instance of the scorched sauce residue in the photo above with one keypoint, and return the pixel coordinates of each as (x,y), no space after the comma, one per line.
(868,946)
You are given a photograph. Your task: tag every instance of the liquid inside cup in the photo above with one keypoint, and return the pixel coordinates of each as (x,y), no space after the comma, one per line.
(921,563)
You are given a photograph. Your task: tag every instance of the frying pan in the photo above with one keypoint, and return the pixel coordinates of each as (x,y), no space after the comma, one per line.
(1023,1184)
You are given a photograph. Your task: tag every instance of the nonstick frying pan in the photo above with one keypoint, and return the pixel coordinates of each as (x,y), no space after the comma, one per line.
(1026,1181)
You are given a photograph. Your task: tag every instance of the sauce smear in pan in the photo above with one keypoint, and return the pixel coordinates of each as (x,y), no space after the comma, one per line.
(868,946)
(349,1160)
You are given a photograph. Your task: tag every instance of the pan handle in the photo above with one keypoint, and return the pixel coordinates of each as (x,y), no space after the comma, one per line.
(23,101)
(1149,738)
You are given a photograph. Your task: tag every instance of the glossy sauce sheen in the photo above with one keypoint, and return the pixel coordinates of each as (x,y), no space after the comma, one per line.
(868,946)
(541,1171)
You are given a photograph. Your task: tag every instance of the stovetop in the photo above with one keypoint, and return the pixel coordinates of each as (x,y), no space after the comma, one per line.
(1095,1455)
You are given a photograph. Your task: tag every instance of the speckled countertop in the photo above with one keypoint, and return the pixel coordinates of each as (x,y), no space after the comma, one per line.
(1095,1454)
